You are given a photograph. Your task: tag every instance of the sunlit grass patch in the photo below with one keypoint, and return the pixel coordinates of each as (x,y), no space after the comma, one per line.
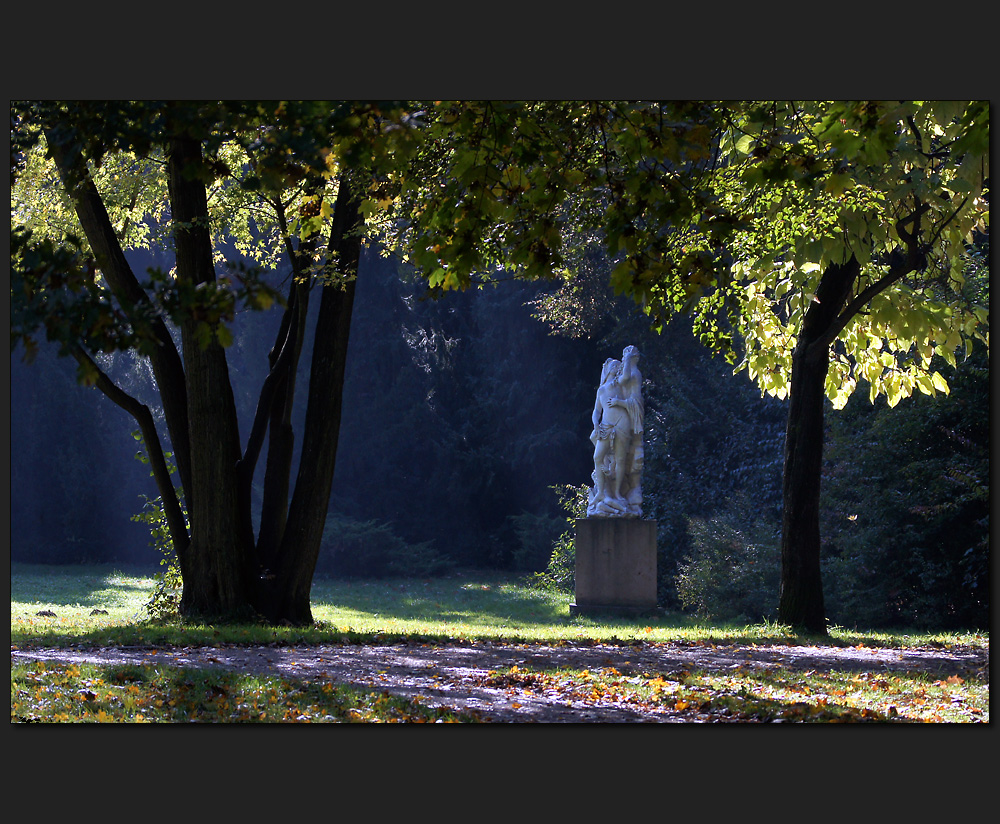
(848,696)
(49,600)
(103,607)
(760,696)
(56,606)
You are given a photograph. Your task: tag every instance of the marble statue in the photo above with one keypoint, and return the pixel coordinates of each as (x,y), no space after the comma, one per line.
(617,439)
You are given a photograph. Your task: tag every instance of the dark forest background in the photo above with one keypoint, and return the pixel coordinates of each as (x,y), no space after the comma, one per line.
(465,433)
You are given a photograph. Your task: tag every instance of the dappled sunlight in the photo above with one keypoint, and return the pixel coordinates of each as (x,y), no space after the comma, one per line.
(480,602)
(78,585)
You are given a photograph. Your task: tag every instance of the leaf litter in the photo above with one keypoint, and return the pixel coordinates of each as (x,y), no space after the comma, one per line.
(677,682)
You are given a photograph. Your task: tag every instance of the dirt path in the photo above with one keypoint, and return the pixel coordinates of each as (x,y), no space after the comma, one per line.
(456,676)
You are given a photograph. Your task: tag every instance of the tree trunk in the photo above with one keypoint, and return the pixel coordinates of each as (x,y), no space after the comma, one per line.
(281,440)
(800,601)
(217,583)
(285,598)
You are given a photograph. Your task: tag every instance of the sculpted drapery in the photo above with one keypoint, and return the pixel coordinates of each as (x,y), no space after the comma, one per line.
(617,438)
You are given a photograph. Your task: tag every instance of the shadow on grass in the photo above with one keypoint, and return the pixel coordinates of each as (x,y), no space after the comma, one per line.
(462,605)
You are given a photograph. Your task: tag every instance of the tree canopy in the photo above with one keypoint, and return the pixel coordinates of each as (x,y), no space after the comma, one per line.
(731,211)
(816,244)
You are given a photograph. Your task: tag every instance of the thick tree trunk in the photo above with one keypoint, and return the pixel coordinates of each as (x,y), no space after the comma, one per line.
(801,598)
(800,601)
(217,583)
(285,598)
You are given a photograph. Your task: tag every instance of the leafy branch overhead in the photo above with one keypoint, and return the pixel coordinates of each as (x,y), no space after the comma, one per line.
(731,212)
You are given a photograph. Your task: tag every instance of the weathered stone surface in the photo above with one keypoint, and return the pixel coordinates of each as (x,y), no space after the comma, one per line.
(615,566)
(617,438)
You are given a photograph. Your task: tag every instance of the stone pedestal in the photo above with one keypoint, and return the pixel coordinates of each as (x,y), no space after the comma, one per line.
(615,567)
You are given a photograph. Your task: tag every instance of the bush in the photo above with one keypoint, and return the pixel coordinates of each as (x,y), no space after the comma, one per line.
(371,549)
(535,535)
(734,570)
(906,508)
(164,603)
(560,574)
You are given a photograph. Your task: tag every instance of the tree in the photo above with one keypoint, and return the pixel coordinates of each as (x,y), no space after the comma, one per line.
(275,179)
(917,553)
(866,236)
(823,241)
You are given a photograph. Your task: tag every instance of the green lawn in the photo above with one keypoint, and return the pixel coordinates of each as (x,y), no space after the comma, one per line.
(56,605)
(91,605)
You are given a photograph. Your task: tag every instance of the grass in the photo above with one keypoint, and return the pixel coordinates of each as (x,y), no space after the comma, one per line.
(772,695)
(92,605)
(60,693)
(65,605)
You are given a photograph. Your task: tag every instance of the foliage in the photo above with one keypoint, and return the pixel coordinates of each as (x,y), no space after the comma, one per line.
(370,549)
(708,437)
(908,514)
(450,404)
(745,215)
(560,573)
(733,570)
(65,506)
(274,180)
(731,212)
(535,535)
(164,603)
(835,180)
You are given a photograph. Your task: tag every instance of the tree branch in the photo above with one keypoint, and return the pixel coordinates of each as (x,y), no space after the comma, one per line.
(165,359)
(279,370)
(161,473)
(901,263)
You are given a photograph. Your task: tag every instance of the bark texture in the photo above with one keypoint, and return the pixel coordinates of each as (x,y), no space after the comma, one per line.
(165,360)
(286,596)
(219,557)
(801,597)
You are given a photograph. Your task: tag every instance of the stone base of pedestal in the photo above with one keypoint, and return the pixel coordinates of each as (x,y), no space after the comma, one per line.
(615,567)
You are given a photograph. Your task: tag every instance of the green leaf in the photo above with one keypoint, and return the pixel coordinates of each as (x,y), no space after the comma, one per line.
(940,383)
(745,144)
(837,184)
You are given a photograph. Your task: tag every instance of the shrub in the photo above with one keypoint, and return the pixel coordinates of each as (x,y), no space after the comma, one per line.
(371,549)
(906,507)
(734,569)
(165,601)
(535,536)
(560,574)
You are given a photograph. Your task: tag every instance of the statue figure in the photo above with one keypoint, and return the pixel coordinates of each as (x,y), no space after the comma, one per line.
(617,439)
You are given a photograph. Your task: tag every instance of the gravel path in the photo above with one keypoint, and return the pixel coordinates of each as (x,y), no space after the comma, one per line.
(453,676)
